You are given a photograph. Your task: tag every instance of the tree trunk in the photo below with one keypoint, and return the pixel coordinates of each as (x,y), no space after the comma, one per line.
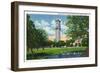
(31,50)
(43,48)
(37,48)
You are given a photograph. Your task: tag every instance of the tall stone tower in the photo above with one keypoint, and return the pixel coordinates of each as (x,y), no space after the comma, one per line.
(58,28)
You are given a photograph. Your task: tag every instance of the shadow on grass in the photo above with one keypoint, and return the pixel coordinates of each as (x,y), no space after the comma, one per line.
(38,56)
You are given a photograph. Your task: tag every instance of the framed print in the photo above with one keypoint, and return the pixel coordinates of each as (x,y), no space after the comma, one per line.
(52,36)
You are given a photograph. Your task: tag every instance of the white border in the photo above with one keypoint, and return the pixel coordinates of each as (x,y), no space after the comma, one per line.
(56,62)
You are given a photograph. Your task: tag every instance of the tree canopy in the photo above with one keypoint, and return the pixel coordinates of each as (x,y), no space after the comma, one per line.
(36,38)
(77,26)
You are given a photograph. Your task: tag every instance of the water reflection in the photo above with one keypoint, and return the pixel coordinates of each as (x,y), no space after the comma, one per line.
(61,55)
(67,55)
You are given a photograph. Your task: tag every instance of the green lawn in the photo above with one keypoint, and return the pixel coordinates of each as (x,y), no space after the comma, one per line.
(43,54)
(58,50)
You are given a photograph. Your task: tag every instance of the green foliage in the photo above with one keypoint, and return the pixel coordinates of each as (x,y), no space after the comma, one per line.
(41,38)
(36,38)
(49,43)
(61,43)
(54,43)
(77,26)
(42,54)
(69,43)
(59,50)
(85,42)
(58,44)
(30,32)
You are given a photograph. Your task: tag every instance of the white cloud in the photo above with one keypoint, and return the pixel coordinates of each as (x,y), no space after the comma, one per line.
(49,31)
(37,24)
(41,23)
(53,24)
(47,27)
(44,23)
(50,27)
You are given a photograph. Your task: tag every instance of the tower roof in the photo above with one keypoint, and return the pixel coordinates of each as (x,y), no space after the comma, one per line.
(58,20)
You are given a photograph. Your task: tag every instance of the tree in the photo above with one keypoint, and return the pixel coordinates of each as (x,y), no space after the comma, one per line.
(41,38)
(77,26)
(61,43)
(36,38)
(69,43)
(30,28)
(85,42)
(55,43)
(49,43)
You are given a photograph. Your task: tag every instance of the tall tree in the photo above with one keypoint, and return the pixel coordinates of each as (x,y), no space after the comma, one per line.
(30,28)
(41,38)
(36,38)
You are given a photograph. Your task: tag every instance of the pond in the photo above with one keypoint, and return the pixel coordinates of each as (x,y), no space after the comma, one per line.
(61,55)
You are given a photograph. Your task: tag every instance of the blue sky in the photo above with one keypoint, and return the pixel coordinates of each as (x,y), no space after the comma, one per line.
(47,22)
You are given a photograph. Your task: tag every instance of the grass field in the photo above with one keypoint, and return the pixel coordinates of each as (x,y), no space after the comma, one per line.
(40,53)
(58,50)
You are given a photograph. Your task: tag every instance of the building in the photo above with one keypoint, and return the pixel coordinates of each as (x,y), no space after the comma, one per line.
(62,38)
(58,36)
(57,30)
